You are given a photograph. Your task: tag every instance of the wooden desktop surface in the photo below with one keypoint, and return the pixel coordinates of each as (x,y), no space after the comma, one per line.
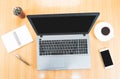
(12,68)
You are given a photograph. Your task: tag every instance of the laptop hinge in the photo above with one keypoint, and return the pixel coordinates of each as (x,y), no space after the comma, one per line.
(41,35)
(84,34)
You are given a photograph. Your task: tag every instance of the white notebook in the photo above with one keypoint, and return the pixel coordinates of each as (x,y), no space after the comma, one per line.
(16,38)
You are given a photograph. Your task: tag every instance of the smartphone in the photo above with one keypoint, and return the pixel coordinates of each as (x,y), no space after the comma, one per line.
(106,57)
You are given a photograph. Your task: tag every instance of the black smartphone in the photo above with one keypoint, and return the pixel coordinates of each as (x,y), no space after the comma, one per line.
(106,57)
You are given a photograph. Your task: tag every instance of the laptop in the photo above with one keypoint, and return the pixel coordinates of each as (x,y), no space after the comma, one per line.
(63,40)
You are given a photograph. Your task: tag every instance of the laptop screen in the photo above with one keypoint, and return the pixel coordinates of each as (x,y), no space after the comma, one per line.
(63,23)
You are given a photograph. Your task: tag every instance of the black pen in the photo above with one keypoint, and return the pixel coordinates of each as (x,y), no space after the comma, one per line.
(20,58)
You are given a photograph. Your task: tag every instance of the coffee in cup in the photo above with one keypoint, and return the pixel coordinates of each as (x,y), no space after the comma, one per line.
(105,30)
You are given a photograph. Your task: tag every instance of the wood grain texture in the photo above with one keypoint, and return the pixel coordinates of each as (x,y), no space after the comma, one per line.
(12,68)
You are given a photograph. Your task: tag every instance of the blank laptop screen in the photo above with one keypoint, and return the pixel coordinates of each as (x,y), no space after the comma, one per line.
(62,23)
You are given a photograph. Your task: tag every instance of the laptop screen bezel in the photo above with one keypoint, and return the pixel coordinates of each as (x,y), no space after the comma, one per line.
(96,14)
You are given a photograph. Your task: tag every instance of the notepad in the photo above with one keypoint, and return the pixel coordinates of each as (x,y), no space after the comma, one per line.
(16,38)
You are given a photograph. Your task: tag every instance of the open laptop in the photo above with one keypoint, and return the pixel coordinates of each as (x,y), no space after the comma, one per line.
(63,40)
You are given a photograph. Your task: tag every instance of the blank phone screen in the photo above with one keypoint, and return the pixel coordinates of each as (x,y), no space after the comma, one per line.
(106,58)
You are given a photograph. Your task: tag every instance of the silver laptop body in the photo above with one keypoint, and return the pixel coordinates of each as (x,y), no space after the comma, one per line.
(60,50)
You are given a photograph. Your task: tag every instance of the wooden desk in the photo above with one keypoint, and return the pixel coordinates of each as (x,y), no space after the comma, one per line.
(12,68)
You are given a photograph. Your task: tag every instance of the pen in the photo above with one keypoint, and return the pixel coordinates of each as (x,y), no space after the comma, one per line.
(20,58)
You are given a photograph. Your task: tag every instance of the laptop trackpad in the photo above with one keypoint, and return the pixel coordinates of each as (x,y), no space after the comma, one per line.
(56,62)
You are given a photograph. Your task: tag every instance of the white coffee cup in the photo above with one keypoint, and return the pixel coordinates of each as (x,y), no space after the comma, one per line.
(103,31)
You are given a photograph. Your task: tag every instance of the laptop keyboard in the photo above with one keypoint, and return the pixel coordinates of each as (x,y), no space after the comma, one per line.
(63,47)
